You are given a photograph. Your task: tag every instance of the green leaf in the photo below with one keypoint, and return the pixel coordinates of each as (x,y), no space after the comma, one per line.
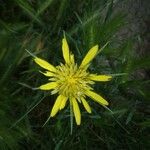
(29,10)
(44,6)
(140,63)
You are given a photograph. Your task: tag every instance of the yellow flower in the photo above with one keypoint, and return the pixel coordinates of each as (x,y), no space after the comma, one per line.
(71,82)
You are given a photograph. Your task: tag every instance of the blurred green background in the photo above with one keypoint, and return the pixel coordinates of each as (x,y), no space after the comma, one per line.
(38,25)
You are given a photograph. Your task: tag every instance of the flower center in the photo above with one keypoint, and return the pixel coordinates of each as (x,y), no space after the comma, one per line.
(72,81)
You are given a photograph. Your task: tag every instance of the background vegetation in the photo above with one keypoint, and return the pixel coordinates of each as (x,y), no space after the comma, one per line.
(38,26)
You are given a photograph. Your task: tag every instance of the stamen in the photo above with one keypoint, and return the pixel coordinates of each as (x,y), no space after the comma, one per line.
(72,81)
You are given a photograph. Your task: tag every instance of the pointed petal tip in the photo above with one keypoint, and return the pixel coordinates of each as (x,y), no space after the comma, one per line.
(96,97)
(96,46)
(106,103)
(44,64)
(56,106)
(63,40)
(86,105)
(79,123)
(51,115)
(65,50)
(89,56)
(102,78)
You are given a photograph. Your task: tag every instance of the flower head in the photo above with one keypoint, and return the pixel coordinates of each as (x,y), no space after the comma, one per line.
(71,82)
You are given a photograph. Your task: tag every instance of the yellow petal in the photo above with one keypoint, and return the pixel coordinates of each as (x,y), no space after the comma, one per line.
(56,106)
(63,103)
(96,97)
(76,111)
(86,105)
(72,59)
(65,50)
(100,77)
(89,56)
(48,86)
(47,73)
(44,64)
